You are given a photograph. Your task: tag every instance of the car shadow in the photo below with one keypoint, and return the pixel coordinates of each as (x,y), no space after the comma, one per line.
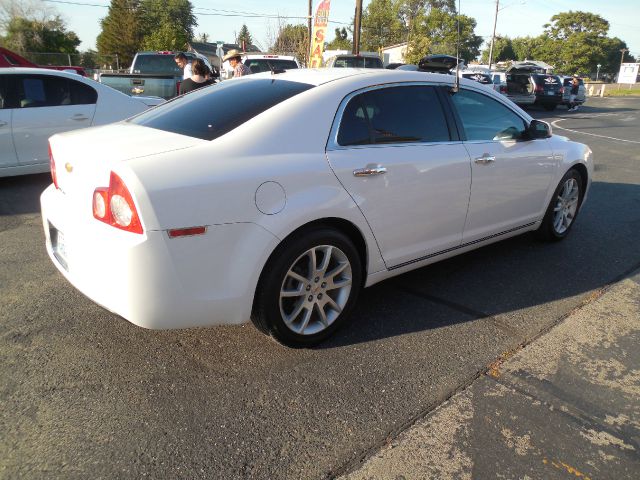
(21,194)
(500,282)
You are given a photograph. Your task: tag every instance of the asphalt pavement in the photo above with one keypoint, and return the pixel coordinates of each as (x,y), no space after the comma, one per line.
(86,394)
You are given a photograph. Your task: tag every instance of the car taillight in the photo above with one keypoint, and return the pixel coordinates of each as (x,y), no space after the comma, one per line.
(539,89)
(503,89)
(562,90)
(52,165)
(114,206)
(178,83)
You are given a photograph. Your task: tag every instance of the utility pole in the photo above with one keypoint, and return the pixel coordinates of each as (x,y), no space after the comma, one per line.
(309,28)
(493,37)
(623,50)
(356,27)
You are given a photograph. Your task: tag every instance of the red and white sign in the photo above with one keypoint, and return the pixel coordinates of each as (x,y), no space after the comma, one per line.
(319,34)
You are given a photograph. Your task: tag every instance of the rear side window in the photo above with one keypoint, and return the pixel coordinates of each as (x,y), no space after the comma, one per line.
(52,91)
(258,65)
(210,112)
(394,115)
(484,118)
(357,62)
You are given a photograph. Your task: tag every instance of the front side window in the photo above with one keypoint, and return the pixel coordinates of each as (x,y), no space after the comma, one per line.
(210,112)
(406,114)
(484,118)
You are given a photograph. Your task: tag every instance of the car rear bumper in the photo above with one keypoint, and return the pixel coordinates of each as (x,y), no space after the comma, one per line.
(154,281)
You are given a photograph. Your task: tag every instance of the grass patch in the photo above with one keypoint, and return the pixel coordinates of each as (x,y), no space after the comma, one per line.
(623,92)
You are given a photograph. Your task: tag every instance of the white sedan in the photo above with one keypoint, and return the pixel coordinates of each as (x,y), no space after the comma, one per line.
(278,197)
(36,103)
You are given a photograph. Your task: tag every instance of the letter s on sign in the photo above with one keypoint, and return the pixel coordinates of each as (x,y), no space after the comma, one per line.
(319,35)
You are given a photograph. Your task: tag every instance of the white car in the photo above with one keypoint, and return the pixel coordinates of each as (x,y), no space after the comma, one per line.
(35,103)
(278,197)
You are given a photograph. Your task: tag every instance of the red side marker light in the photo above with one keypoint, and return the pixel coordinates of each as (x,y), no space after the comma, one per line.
(186,232)
(52,165)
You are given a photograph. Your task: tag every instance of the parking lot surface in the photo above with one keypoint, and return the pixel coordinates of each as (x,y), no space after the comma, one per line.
(85,393)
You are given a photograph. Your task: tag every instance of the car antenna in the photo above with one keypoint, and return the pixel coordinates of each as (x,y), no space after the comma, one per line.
(274,71)
(456,84)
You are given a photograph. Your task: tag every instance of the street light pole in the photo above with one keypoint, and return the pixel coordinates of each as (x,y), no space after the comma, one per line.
(493,37)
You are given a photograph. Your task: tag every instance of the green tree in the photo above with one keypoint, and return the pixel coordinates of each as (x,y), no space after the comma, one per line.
(341,41)
(382,25)
(169,24)
(502,51)
(525,48)
(121,31)
(566,24)
(437,32)
(292,40)
(244,37)
(25,35)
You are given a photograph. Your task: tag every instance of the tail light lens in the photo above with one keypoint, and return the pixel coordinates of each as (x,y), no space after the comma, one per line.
(178,87)
(52,165)
(114,206)
(562,90)
(539,89)
(503,89)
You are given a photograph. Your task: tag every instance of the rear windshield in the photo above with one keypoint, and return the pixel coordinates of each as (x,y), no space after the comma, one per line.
(478,77)
(546,80)
(258,65)
(567,82)
(210,112)
(157,63)
(358,62)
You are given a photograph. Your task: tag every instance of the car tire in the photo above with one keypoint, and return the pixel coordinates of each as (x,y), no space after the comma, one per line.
(550,108)
(308,287)
(563,208)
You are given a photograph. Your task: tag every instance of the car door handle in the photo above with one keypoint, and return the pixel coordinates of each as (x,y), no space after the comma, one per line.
(79,117)
(369,170)
(2,124)
(483,160)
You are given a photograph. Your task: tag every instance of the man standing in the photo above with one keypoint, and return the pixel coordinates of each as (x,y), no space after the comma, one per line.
(239,68)
(183,62)
(575,86)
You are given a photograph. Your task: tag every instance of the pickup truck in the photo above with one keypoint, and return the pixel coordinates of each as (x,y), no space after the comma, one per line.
(151,74)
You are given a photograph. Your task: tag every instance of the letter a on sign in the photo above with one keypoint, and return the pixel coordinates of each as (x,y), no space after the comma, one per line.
(319,30)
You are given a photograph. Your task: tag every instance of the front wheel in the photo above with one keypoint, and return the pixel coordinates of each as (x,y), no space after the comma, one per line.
(563,208)
(308,288)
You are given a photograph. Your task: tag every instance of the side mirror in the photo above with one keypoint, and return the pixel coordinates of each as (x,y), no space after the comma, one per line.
(538,129)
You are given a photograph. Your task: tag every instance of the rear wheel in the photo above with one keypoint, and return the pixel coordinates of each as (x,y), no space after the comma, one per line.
(308,288)
(563,208)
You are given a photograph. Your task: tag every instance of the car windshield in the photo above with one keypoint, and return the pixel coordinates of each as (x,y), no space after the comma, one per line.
(210,112)
(358,62)
(258,65)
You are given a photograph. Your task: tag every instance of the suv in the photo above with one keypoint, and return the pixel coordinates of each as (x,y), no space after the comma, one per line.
(354,61)
(582,91)
(262,62)
(527,85)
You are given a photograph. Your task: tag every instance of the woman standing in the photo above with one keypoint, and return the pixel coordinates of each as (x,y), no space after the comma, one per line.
(198,78)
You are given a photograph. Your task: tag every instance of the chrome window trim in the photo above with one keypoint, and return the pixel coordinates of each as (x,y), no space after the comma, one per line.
(332,142)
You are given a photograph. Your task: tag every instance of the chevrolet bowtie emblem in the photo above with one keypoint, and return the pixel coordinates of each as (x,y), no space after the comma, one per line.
(68,167)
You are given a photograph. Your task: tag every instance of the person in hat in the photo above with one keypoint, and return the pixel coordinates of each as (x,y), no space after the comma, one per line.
(239,68)
(575,85)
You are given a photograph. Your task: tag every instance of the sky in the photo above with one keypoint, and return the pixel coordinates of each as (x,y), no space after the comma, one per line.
(221,19)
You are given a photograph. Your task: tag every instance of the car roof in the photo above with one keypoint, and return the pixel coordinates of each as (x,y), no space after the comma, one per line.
(320,76)
(32,70)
